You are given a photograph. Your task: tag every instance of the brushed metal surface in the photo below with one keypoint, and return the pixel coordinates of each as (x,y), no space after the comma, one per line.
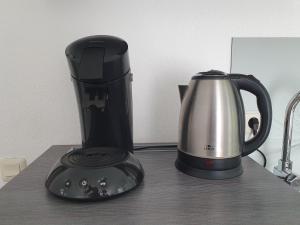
(209,122)
(167,196)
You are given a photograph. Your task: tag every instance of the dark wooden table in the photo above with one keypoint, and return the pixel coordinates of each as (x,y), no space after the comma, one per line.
(167,196)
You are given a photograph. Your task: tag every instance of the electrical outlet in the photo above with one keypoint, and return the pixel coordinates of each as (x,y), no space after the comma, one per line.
(248,116)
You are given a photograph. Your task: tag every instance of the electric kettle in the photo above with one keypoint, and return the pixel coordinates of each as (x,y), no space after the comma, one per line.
(212,124)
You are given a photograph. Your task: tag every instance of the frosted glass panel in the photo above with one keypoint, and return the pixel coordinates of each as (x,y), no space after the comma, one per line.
(276,63)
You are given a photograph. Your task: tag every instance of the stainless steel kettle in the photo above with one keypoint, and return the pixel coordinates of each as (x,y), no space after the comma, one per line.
(212,124)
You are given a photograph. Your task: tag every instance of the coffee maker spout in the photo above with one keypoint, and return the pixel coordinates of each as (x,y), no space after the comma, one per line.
(182,91)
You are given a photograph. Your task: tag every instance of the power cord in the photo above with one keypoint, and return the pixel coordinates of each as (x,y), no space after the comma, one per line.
(168,146)
(253,123)
(264,157)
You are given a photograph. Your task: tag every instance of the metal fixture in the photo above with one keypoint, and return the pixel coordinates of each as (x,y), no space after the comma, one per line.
(284,167)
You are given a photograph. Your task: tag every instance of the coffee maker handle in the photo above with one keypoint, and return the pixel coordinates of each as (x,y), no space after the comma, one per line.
(251,84)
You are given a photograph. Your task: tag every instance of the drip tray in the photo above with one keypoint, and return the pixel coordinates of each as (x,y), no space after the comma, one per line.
(94,157)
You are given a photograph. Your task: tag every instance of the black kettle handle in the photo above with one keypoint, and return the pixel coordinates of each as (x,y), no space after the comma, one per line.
(251,84)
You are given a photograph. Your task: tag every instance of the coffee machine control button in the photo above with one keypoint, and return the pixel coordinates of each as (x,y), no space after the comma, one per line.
(102,182)
(83,183)
(102,192)
(67,183)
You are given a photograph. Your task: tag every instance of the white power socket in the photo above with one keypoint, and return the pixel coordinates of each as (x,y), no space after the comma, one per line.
(248,116)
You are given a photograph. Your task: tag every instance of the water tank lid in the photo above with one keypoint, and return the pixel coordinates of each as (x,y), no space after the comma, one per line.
(99,58)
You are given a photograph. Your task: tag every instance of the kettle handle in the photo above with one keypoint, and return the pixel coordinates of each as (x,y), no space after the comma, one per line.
(251,84)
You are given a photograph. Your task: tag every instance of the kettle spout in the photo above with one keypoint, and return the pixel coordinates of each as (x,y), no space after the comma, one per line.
(182,91)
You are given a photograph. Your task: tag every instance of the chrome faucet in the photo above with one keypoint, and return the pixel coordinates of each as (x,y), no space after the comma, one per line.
(284,167)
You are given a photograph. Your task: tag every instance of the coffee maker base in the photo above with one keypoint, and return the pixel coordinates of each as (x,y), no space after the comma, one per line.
(212,169)
(92,174)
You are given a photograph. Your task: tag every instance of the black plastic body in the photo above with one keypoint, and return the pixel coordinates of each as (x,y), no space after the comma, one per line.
(212,169)
(104,166)
(210,75)
(251,84)
(106,113)
(72,181)
(98,59)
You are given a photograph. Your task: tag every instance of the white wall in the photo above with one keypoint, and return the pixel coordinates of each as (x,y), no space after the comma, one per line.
(169,41)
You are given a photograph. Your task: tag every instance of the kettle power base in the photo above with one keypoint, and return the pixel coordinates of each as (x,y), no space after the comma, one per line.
(94,174)
(209,174)
(195,167)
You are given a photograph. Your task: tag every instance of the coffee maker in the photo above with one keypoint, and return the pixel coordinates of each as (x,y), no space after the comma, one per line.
(104,166)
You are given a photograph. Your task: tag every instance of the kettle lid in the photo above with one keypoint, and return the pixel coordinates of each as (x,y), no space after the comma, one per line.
(211,74)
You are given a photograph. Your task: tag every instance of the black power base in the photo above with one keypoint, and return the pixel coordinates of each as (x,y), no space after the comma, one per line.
(93,174)
(212,169)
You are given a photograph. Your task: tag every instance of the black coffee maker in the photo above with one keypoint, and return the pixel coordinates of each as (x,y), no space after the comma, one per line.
(104,166)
